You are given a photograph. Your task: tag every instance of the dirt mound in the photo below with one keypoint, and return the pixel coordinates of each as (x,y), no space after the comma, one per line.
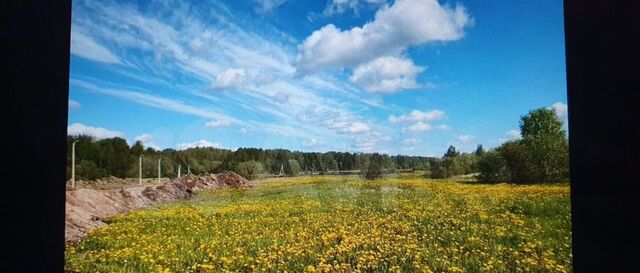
(85,208)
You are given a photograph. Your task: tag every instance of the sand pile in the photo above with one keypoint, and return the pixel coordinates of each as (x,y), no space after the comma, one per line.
(85,208)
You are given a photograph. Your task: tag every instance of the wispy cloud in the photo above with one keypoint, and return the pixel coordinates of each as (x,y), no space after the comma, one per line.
(218,123)
(465,138)
(417,115)
(153,101)
(268,5)
(74,104)
(85,47)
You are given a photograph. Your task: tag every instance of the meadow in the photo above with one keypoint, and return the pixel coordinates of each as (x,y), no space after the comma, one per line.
(340,224)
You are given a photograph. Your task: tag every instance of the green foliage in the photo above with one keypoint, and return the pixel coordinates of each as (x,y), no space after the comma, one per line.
(451,152)
(373,170)
(493,168)
(250,169)
(137,149)
(293,168)
(87,170)
(479,151)
(541,156)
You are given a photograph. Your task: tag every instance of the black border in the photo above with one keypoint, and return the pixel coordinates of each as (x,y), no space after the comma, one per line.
(35,58)
(603,91)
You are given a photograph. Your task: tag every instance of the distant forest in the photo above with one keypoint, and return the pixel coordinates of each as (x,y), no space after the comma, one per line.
(114,157)
(541,155)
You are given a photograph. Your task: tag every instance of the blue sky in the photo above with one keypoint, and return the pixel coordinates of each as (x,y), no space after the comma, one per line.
(400,77)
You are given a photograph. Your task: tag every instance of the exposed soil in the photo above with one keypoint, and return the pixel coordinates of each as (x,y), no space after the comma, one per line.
(86,208)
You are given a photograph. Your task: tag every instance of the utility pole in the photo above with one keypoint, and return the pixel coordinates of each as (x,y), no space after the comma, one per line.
(159,170)
(179,170)
(73,164)
(140,170)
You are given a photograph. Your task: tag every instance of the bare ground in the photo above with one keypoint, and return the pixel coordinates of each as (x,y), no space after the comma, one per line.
(86,208)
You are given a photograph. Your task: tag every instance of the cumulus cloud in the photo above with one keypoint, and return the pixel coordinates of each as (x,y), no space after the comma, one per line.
(96,132)
(417,115)
(265,6)
(73,104)
(85,47)
(231,78)
(418,127)
(386,75)
(513,134)
(200,143)
(465,138)
(560,108)
(357,127)
(311,143)
(218,123)
(393,29)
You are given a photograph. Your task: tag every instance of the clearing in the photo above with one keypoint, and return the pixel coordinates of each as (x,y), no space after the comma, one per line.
(340,224)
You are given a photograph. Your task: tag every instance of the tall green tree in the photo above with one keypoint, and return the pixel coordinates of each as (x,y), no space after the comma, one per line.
(547,146)
(479,151)
(451,152)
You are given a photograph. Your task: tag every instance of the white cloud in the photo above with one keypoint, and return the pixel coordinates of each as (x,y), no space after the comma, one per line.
(265,6)
(394,28)
(154,101)
(73,104)
(386,75)
(412,141)
(97,132)
(231,78)
(199,143)
(444,127)
(281,97)
(560,108)
(417,115)
(357,127)
(513,134)
(85,47)
(465,138)
(418,127)
(147,141)
(218,123)
(311,143)
(340,6)
(370,141)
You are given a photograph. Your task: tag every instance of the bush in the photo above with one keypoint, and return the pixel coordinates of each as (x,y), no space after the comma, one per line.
(371,166)
(293,167)
(493,168)
(250,169)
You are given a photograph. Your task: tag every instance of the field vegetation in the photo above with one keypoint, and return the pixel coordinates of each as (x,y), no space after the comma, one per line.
(341,224)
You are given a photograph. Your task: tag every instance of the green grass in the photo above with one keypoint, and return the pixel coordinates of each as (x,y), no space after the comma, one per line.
(341,224)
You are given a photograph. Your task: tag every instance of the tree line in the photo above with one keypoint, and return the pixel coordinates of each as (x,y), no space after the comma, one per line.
(114,157)
(540,156)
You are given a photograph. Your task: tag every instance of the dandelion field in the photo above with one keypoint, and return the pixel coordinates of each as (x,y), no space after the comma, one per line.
(339,224)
